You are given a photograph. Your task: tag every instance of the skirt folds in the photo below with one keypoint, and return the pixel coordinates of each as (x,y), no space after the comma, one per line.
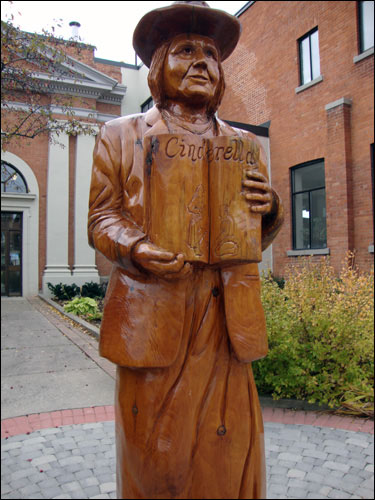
(194,429)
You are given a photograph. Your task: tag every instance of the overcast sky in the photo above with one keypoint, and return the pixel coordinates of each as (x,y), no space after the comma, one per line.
(107,25)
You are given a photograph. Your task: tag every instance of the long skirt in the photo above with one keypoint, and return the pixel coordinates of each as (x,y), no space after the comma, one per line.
(194,429)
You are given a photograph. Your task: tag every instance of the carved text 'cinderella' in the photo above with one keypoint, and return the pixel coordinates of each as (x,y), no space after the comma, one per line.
(240,150)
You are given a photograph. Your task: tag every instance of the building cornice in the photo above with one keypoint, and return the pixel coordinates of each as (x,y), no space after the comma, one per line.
(78,112)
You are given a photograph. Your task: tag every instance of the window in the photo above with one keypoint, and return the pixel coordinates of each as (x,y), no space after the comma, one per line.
(147,105)
(12,180)
(309,57)
(309,206)
(366,25)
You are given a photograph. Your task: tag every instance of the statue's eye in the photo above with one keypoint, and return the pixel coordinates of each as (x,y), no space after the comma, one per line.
(210,53)
(187,50)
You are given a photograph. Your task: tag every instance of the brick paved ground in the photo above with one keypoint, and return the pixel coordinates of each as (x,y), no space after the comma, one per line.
(70,452)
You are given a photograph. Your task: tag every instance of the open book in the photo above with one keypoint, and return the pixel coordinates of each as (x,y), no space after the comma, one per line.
(195,198)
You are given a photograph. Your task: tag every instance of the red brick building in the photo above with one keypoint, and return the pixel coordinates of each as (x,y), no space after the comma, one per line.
(305,71)
(45,187)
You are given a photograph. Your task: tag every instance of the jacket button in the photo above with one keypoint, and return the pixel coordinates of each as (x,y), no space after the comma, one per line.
(221,430)
(215,291)
(135,410)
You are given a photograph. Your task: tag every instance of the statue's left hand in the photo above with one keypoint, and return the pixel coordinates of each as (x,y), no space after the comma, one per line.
(259,196)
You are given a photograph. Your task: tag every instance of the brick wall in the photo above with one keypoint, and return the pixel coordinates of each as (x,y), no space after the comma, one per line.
(262,75)
(35,153)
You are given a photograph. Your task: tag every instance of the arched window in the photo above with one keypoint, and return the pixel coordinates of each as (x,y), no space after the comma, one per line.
(12,181)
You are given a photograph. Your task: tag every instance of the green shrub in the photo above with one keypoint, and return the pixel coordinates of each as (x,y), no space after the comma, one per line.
(64,292)
(320,331)
(84,306)
(94,290)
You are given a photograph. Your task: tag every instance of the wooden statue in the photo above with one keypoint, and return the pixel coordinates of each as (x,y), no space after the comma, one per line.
(181,204)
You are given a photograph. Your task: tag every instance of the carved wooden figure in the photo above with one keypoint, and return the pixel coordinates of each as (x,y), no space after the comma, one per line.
(181,204)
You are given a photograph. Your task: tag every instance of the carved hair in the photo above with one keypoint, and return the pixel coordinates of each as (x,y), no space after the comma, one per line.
(155,80)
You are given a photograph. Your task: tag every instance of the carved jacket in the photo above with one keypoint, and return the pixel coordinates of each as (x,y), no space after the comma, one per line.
(143,314)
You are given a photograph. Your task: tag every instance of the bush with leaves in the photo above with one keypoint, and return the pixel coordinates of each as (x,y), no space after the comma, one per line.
(320,331)
(64,292)
(94,290)
(86,307)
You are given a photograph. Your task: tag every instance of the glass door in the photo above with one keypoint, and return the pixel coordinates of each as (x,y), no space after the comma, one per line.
(11,253)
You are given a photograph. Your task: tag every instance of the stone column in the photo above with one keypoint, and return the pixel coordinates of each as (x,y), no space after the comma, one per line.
(84,256)
(57,269)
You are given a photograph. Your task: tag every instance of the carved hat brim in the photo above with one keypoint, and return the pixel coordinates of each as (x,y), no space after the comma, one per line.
(160,25)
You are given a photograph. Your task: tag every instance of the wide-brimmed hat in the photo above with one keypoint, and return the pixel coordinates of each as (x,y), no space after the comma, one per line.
(165,23)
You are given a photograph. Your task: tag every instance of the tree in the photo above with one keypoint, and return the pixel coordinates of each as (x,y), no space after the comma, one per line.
(31,104)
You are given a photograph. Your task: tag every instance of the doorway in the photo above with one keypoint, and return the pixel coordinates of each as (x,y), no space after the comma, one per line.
(11,254)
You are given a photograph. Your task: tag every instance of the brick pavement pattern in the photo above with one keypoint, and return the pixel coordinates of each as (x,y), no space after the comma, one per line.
(69,452)
(78,461)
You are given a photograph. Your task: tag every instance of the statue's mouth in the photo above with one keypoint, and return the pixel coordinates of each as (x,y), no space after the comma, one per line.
(200,78)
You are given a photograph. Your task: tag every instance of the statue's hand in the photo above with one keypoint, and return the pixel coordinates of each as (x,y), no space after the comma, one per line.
(259,196)
(164,264)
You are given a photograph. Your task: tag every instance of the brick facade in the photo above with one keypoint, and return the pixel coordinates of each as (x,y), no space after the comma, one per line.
(262,76)
(36,154)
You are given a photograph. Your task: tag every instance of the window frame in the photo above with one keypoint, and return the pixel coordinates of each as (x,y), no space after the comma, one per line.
(360,29)
(300,40)
(146,103)
(18,173)
(309,191)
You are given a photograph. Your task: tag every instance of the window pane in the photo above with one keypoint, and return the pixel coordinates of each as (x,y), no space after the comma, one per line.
(301,217)
(305,61)
(11,220)
(318,219)
(315,59)
(11,180)
(15,283)
(367,25)
(308,177)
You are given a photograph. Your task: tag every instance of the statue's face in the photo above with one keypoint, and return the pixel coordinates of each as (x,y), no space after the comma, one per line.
(191,69)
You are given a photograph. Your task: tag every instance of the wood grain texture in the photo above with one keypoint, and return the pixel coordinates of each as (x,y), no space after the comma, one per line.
(181,204)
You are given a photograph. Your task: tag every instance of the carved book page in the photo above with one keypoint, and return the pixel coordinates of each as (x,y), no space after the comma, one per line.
(177,178)
(196,202)
(235,232)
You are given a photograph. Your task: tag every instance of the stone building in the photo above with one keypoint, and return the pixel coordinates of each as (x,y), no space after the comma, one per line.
(305,71)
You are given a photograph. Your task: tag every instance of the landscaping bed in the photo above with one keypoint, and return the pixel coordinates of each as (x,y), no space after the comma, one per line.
(321,335)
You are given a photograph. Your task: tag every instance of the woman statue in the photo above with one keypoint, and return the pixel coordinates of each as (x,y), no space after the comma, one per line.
(188,419)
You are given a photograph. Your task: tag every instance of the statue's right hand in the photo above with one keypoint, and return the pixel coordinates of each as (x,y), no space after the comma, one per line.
(160,262)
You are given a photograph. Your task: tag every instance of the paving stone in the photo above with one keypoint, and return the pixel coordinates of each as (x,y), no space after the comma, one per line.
(296,473)
(289,457)
(279,479)
(92,491)
(78,494)
(357,442)
(107,487)
(52,492)
(337,466)
(277,488)
(70,487)
(296,492)
(314,454)
(44,459)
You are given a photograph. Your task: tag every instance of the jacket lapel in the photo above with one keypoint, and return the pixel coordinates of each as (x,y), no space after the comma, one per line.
(155,123)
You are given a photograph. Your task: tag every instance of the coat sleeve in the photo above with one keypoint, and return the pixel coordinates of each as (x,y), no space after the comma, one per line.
(110,229)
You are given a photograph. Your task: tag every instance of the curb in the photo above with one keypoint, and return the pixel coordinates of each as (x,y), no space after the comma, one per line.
(30,423)
(92,329)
